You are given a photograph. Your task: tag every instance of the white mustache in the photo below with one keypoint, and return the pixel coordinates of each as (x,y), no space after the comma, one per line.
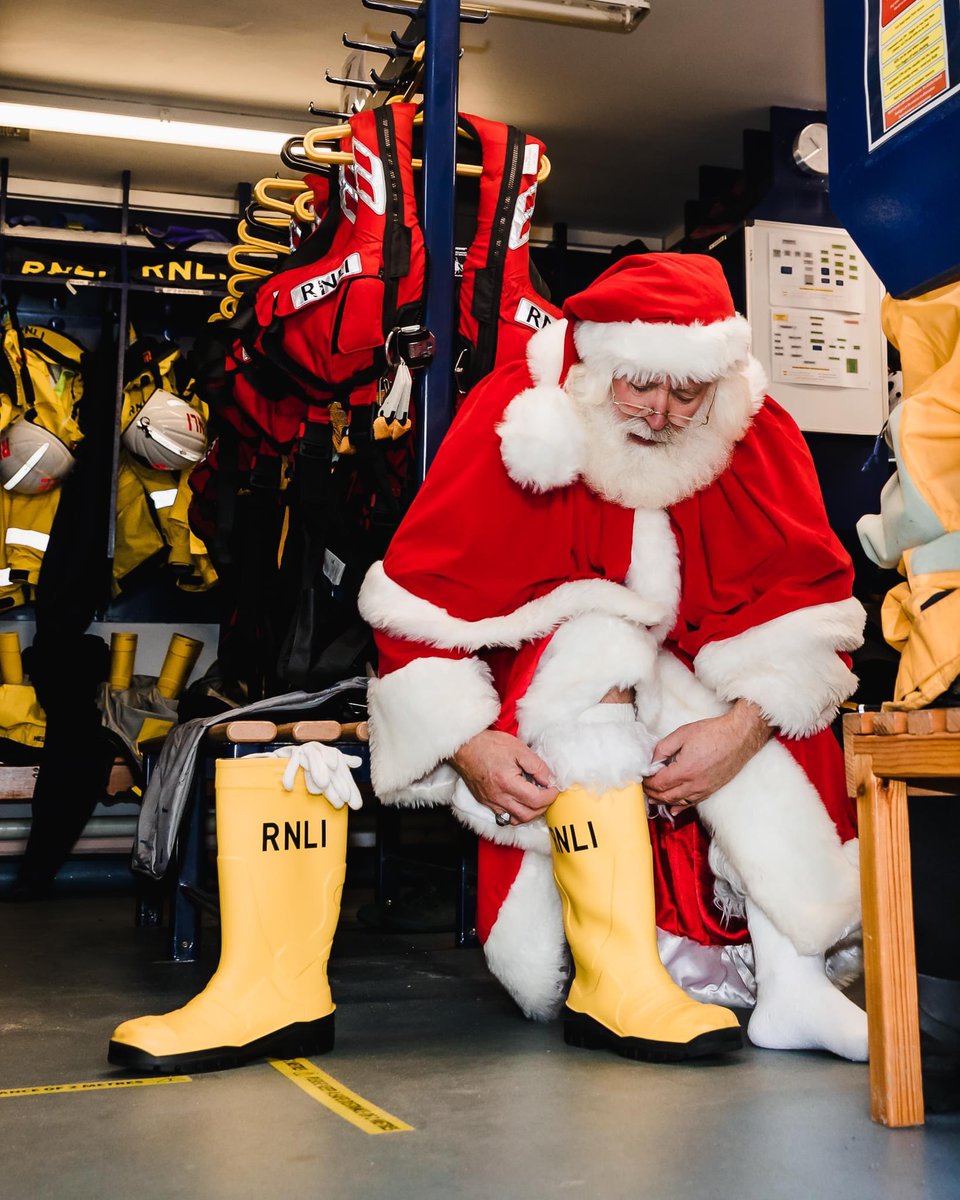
(639,428)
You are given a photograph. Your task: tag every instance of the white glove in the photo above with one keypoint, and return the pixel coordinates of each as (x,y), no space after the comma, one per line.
(326,771)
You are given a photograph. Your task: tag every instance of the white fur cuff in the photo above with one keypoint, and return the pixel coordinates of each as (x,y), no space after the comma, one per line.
(789,666)
(419,716)
(584,659)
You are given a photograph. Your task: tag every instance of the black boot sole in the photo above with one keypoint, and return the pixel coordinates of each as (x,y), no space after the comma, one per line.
(581,1030)
(293,1041)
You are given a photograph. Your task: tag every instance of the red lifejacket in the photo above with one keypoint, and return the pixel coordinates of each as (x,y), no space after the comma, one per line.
(275,410)
(325,323)
(501,307)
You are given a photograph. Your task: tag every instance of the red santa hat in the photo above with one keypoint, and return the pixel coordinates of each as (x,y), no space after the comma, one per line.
(660,314)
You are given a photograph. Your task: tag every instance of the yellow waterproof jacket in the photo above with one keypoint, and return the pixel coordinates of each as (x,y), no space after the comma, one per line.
(48,386)
(152,504)
(918,527)
(53,365)
(21,717)
(138,535)
(27,522)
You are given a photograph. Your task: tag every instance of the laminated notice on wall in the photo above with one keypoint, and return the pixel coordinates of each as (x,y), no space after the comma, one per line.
(822,349)
(814,305)
(816,270)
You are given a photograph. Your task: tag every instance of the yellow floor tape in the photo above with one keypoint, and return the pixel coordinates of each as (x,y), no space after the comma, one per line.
(98,1085)
(339,1099)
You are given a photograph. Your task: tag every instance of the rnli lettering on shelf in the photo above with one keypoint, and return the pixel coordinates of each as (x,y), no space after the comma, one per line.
(186,270)
(35,266)
(295,835)
(567,840)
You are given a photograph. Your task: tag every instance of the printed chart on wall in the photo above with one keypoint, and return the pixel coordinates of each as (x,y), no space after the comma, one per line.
(912,62)
(813,303)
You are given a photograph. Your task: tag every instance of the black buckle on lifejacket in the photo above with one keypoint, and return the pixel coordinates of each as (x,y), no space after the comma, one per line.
(265,473)
(413,344)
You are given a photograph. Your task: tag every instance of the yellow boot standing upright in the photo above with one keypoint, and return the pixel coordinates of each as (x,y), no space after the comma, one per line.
(622,998)
(281,863)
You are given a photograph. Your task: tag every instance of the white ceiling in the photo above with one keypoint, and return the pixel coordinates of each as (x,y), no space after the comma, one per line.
(627,119)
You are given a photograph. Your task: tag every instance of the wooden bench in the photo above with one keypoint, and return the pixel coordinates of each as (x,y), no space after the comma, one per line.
(16,787)
(888,756)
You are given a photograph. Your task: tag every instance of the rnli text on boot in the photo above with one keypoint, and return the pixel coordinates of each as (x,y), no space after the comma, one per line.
(566,841)
(296,836)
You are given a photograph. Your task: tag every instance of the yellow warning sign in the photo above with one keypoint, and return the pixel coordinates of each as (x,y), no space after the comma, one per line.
(339,1099)
(913,56)
(98,1085)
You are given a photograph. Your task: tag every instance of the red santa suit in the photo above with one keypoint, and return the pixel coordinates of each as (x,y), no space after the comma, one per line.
(546,560)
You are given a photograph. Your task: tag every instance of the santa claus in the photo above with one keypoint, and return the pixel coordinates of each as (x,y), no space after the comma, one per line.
(612,631)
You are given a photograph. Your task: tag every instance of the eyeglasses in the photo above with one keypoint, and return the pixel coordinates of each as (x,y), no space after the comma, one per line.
(681,395)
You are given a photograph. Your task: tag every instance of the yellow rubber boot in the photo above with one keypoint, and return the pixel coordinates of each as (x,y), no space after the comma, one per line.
(622,998)
(281,862)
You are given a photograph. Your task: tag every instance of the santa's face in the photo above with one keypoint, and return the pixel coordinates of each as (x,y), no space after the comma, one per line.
(651,459)
(658,410)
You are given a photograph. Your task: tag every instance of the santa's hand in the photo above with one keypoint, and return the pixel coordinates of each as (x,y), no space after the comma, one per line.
(326,772)
(703,756)
(504,774)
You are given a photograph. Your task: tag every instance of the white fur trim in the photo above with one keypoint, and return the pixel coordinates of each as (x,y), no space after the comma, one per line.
(844,959)
(597,756)
(482,820)
(541,440)
(789,666)
(584,659)
(685,352)
(772,838)
(420,715)
(526,950)
(756,378)
(545,352)
(654,571)
(386,605)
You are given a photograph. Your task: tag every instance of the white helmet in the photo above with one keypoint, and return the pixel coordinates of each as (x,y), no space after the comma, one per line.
(167,433)
(32,459)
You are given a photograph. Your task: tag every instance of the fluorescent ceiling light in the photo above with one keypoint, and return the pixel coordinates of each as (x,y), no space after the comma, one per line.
(162,127)
(616,16)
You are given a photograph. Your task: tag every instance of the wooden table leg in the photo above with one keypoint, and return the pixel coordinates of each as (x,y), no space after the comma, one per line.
(896,1094)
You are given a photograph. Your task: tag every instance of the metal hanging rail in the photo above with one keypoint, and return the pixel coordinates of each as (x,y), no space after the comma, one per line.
(604,15)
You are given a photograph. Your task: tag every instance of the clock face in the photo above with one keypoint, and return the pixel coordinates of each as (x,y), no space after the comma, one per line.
(810,148)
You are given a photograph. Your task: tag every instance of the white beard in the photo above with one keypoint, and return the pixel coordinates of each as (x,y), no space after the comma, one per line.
(630,464)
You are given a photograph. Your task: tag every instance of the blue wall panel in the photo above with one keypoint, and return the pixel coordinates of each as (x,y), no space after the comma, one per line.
(900,199)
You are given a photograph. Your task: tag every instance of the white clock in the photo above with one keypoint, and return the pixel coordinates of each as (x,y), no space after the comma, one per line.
(810,148)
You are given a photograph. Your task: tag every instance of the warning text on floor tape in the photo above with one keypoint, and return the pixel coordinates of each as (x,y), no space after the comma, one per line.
(98,1085)
(339,1099)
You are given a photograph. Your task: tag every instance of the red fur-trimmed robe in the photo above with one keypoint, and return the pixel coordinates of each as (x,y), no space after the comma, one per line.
(515,596)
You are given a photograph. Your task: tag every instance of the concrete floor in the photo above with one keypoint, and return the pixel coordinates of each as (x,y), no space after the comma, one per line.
(500,1107)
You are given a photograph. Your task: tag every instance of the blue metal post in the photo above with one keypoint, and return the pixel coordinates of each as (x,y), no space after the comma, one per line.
(441,71)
